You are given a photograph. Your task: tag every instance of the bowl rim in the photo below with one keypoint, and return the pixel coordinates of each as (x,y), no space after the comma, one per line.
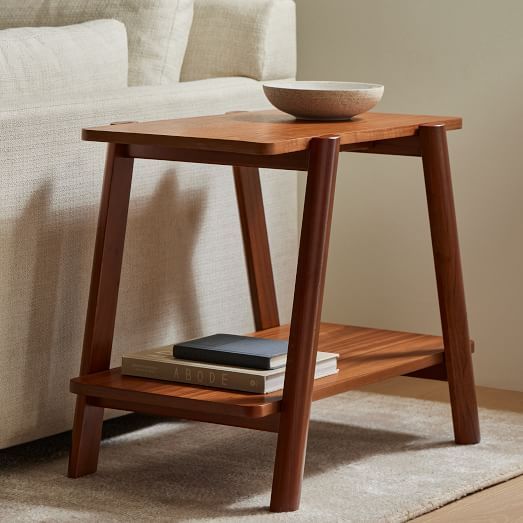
(300,85)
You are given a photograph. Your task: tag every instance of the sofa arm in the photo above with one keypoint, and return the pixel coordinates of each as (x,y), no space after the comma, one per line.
(184,272)
(256,39)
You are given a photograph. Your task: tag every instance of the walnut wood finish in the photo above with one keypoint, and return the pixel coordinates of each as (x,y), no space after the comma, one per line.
(366,356)
(101,308)
(447,262)
(267,423)
(256,245)
(408,146)
(436,372)
(262,132)
(305,324)
(273,139)
(85,439)
(297,161)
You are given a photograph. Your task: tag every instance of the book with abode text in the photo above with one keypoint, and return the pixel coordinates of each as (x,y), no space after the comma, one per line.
(160,364)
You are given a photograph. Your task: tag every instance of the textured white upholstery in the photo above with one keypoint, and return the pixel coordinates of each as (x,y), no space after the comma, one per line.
(59,61)
(184,272)
(254,38)
(157,29)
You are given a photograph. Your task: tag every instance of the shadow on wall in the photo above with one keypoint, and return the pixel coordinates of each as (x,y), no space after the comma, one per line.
(47,278)
(33,304)
(158,287)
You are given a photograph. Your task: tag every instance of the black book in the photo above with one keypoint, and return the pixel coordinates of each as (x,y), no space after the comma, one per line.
(230,349)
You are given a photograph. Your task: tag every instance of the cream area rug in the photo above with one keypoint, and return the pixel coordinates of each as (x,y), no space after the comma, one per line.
(371,458)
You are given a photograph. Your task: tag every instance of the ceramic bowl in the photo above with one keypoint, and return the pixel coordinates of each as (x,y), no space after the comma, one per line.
(323,100)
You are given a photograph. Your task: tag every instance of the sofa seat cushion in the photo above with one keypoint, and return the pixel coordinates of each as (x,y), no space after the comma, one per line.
(157,30)
(59,61)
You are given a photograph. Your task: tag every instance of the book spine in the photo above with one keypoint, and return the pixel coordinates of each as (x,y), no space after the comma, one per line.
(250,361)
(193,375)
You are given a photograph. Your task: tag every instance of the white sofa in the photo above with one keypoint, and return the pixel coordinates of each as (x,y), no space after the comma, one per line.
(184,273)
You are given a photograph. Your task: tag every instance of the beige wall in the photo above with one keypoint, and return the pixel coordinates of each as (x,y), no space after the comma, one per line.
(443,57)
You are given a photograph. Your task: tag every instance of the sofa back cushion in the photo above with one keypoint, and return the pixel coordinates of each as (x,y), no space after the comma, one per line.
(58,61)
(157,30)
(253,38)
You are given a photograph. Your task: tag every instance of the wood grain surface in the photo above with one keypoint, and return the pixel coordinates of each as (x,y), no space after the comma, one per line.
(256,247)
(262,132)
(366,356)
(101,307)
(305,324)
(499,504)
(449,278)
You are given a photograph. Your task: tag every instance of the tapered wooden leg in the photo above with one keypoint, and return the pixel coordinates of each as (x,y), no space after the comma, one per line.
(101,309)
(305,322)
(256,245)
(87,433)
(449,278)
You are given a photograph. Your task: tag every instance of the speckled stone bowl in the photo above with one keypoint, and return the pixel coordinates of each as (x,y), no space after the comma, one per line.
(323,100)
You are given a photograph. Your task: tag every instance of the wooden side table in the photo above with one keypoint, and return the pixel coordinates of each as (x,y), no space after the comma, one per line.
(247,141)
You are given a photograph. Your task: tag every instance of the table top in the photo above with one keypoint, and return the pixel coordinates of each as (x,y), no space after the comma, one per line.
(262,132)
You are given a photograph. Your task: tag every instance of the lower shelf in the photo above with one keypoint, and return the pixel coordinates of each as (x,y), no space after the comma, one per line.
(366,356)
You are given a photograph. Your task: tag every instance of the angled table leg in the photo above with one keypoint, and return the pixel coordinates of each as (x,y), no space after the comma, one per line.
(101,308)
(306,312)
(447,261)
(256,246)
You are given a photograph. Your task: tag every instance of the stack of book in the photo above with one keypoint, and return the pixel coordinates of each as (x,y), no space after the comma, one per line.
(225,361)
